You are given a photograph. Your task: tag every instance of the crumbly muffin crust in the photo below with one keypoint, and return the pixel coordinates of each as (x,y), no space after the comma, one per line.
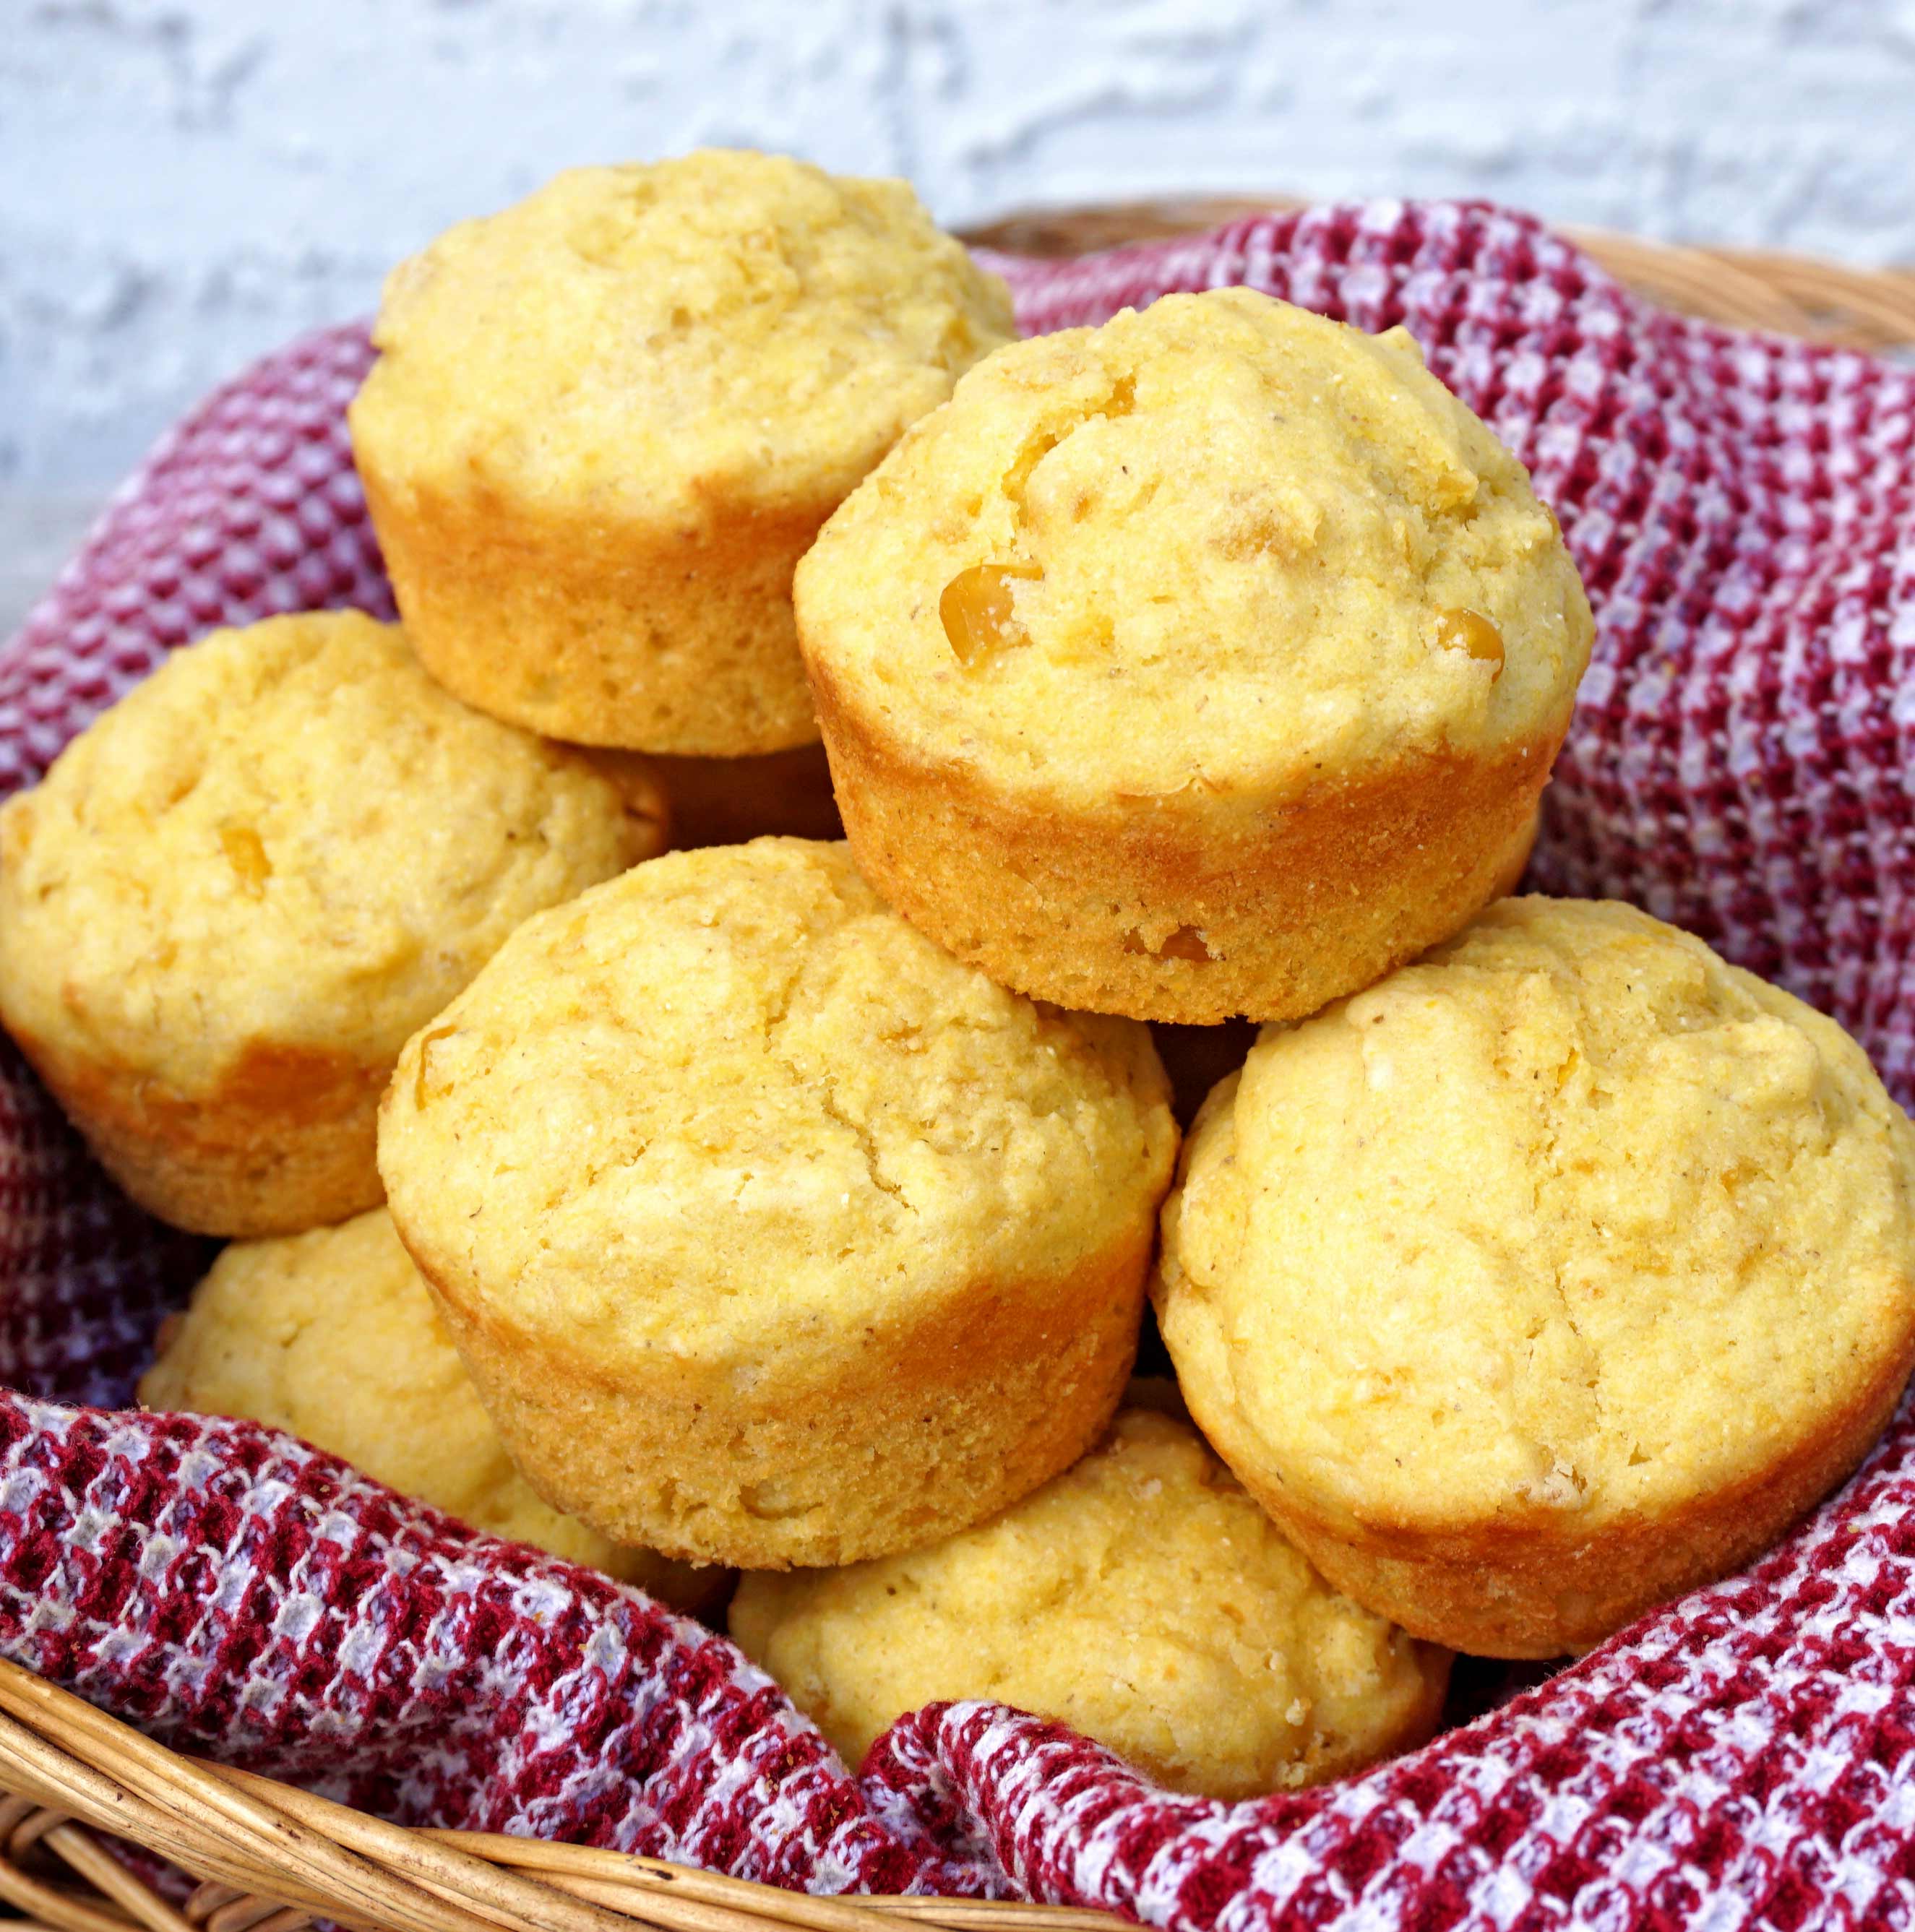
(770,1233)
(332,1337)
(235,894)
(606,422)
(1552,1276)
(1223,634)
(1141,1596)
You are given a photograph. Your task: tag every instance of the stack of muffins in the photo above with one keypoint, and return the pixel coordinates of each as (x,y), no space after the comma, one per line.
(789,1207)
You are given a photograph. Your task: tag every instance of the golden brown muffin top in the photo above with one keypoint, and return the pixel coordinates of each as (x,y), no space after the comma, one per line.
(1222,543)
(645,339)
(730,1104)
(1141,1597)
(1569,1220)
(287,836)
(332,1337)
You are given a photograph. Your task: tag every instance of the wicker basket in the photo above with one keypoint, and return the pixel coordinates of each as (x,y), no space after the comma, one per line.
(272,1857)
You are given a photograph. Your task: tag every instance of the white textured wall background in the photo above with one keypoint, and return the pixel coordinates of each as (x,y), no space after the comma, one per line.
(184,183)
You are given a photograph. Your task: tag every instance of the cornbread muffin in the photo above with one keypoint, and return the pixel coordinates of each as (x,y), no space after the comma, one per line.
(1552,1277)
(1141,1597)
(606,424)
(728,801)
(770,1233)
(332,1337)
(235,895)
(1207,663)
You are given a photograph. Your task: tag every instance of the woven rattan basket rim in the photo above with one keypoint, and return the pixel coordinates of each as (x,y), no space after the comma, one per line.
(273,1857)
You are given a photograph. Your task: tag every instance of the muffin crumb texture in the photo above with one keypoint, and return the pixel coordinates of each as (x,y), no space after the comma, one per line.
(290,833)
(1207,663)
(742,1046)
(606,424)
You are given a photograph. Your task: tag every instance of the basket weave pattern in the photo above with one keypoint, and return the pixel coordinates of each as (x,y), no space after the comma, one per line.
(1741,509)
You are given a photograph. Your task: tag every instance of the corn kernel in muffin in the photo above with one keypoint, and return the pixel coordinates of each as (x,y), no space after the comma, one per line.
(1207,663)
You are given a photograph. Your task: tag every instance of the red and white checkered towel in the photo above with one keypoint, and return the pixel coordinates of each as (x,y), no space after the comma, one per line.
(1743,511)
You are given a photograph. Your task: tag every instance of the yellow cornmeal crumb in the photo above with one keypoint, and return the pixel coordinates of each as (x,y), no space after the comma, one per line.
(729,1102)
(1141,1598)
(1570,1220)
(637,341)
(287,837)
(332,1337)
(1225,543)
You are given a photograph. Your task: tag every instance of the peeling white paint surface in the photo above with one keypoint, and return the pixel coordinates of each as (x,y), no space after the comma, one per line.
(184,183)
